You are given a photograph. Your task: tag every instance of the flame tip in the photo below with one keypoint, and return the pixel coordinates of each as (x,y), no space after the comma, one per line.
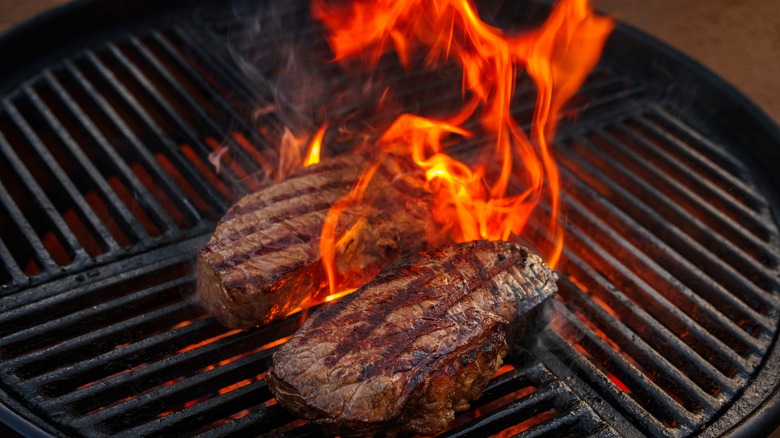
(473,200)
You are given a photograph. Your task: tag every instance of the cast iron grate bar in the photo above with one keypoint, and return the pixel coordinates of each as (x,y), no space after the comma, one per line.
(42,257)
(21,315)
(207,127)
(75,253)
(85,321)
(650,217)
(669,286)
(206,413)
(589,373)
(697,142)
(108,244)
(612,360)
(657,250)
(218,127)
(237,115)
(62,380)
(143,196)
(699,162)
(267,418)
(173,85)
(578,421)
(83,347)
(16,276)
(213,197)
(517,411)
(694,204)
(745,256)
(674,378)
(716,197)
(594,352)
(162,180)
(195,44)
(119,211)
(148,406)
(666,312)
(671,377)
(148,377)
(638,321)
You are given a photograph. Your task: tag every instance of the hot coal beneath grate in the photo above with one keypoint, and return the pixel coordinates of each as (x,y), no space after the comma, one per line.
(667,315)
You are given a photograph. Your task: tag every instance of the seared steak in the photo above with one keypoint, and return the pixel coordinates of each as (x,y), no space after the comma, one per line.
(414,345)
(264,260)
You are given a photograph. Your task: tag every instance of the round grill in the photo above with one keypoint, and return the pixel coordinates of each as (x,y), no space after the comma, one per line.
(667,318)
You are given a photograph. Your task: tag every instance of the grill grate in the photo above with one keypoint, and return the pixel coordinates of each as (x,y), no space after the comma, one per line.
(668,307)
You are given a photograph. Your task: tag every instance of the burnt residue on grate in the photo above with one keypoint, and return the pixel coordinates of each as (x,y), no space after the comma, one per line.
(668,308)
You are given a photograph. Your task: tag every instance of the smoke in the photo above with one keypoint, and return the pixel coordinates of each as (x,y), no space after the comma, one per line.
(293,86)
(284,56)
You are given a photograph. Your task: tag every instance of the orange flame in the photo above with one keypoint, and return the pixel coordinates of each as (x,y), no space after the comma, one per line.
(330,241)
(472,201)
(291,151)
(315,147)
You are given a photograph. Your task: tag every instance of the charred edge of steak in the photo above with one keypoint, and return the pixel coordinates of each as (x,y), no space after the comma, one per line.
(438,394)
(449,389)
(410,348)
(242,304)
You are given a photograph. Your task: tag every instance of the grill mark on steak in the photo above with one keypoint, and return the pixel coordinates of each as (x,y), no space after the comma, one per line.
(380,310)
(258,204)
(303,236)
(274,273)
(394,181)
(402,340)
(420,292)
(306,234)
(396,272)
(378,315)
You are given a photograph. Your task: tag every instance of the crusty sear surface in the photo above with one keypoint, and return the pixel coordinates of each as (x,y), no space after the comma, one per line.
(414,345)
(263,259)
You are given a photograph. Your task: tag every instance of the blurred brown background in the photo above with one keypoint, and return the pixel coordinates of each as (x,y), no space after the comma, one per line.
(13,11)
(739,40)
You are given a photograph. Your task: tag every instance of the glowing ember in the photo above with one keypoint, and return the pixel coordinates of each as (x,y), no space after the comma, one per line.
(471,201)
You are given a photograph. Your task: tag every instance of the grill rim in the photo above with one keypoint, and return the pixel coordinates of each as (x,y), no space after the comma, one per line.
(69,24)
(705,82)
(63,20)
(20,424)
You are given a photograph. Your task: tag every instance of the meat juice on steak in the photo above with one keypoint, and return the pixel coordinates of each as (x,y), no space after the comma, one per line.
(263,259)
(414,345)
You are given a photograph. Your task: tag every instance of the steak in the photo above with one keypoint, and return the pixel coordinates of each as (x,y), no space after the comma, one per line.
(263,260)
(413,346)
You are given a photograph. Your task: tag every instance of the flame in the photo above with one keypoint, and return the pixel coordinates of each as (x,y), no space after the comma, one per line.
(474,201)
(330,241)
(296,150)
(315,147)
